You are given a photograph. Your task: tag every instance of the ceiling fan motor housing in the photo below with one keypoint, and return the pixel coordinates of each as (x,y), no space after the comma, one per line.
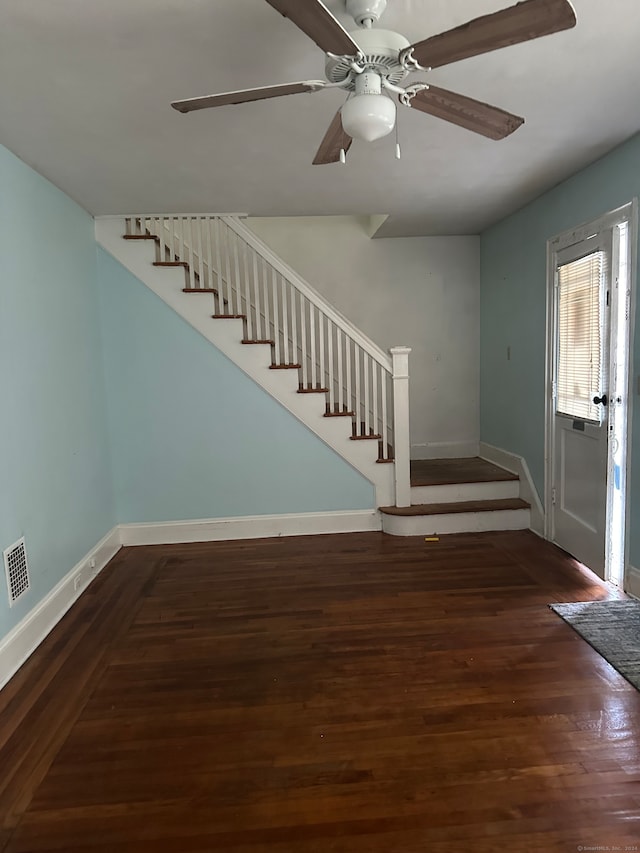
(365,10)
(380,48)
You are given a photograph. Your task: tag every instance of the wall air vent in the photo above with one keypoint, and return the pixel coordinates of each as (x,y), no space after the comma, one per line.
(16,570)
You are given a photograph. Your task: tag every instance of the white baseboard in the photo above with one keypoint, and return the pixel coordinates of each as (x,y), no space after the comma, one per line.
(27,635)
(444,450)
(528,491)
(249,527)
(632,582)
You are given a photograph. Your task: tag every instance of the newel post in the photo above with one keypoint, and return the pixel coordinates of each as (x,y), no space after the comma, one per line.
(401,440)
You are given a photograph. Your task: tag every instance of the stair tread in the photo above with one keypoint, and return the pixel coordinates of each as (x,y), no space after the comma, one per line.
(285,366)
(141,237)
(271,343)
(230,317)
(456,507)
(171,264)
(339,414)
(313,390)
(365,437)
(199,290)
(445,472)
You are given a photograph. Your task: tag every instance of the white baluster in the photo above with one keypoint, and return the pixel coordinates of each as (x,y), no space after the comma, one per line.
(284,354)
(199,249)
(348,377)
(385,426)
(312,333)
(247,283)
(357,408)
(257,334)
(208,250)
(227,268)
(339,371)
(321,350)
(294,322)
(170,238)
(190,252)
(304,373)
(330,365)
(276,314)
(374,396)
(175,245)
(236,273)
(267,301)
(159,233)
(180,251)
(366,399)
(217,239)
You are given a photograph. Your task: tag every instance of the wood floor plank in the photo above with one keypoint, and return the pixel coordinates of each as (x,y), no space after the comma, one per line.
(339,693)
(78,657)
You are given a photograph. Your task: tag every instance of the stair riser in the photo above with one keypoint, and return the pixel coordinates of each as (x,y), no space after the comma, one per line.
(460,522)
(465,492)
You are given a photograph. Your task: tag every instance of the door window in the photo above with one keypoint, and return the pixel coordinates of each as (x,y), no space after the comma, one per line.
(580,341)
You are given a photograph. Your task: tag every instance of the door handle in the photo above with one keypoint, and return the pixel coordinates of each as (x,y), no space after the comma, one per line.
(598,400)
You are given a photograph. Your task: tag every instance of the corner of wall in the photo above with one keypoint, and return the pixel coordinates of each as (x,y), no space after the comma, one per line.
(528,492)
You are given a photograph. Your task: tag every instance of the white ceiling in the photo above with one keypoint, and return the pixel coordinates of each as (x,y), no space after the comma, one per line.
(85,90)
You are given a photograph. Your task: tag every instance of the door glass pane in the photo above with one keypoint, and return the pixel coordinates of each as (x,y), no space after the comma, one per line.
(580,337)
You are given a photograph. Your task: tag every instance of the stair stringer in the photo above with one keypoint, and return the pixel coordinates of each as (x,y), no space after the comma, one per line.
(254,361)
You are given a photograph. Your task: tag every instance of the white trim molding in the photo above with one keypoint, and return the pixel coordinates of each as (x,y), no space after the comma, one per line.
(249,527)
(27,635)
(528,492)
(444,450)
(632,582)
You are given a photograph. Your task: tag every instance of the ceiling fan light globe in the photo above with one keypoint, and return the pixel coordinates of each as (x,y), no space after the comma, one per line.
(369,117)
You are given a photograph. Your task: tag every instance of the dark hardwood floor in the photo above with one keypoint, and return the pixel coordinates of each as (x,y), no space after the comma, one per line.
(339,693)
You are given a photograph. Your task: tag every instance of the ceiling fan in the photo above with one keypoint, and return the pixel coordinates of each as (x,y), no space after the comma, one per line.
(371,64)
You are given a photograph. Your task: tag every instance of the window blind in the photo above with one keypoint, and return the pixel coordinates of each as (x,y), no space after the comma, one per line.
(580,337)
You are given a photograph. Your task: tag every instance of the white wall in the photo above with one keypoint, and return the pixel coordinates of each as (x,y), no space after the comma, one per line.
(423,292)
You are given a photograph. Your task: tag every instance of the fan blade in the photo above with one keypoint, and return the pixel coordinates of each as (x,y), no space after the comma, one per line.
(316,21)
(334,140)
(244,95)
(522,22)
(466,112)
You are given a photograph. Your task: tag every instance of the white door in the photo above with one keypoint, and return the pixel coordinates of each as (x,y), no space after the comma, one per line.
(580,398)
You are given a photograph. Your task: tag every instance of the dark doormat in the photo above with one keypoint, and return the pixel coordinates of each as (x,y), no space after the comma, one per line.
(612,628)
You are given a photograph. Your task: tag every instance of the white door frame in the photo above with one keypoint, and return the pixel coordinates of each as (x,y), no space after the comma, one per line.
(626,213)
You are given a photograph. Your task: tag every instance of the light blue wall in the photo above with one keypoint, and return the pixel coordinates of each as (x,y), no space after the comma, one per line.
(191,435)
(513,311)
(55,483)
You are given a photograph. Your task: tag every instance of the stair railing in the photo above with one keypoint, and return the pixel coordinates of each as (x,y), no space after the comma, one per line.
(249,281)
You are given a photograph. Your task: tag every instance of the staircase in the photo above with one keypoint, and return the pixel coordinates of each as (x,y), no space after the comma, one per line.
(217,274)
(458,496)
